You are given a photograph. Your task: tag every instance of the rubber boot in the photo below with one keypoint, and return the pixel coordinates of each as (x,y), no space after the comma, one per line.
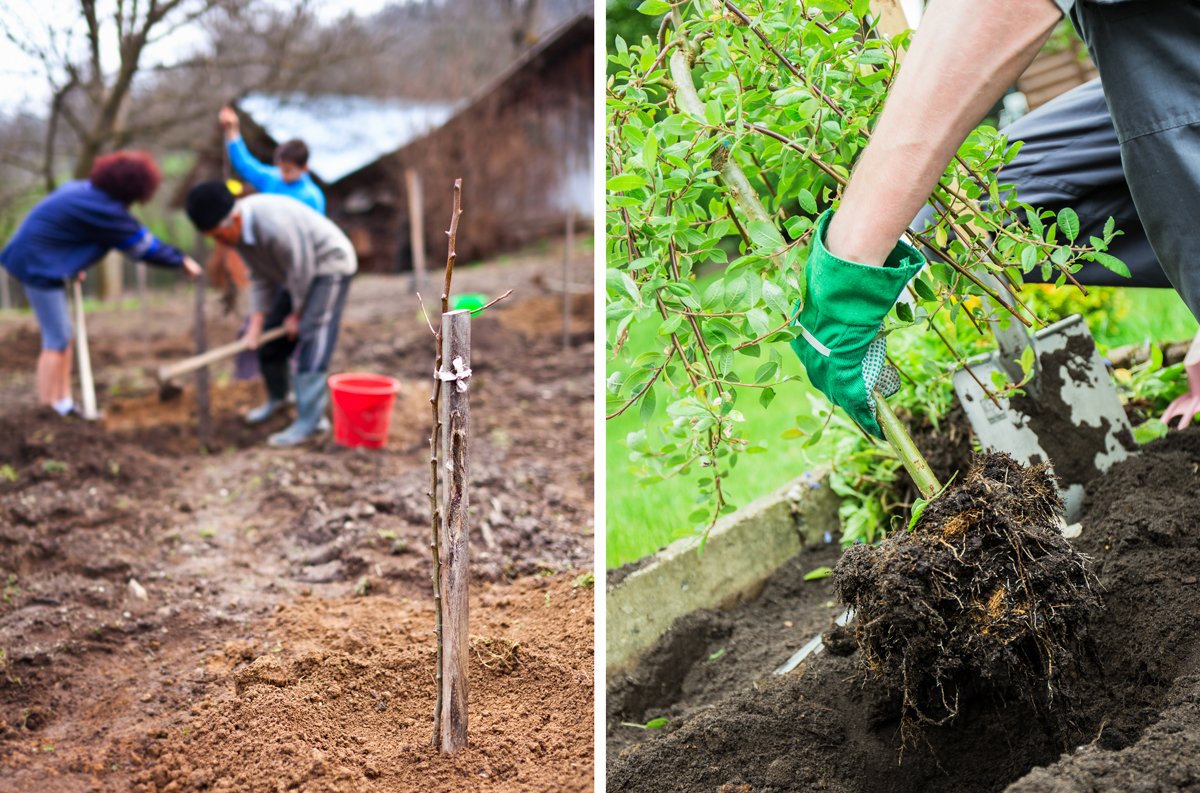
(275,375)
(312,398)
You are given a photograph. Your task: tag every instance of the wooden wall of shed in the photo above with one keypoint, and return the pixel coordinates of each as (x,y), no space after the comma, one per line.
(1054,73)
(514,150)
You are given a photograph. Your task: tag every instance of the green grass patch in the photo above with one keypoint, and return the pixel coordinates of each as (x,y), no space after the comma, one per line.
(643,518)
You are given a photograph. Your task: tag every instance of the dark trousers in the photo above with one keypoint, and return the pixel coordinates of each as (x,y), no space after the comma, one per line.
(314,345)
(1148,55)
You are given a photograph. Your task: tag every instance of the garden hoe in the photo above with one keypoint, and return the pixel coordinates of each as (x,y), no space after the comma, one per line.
(167,390)
(1069,415)
(86,384)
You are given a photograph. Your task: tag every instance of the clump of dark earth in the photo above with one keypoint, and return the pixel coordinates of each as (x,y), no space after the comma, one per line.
(983,591)
(1131,724)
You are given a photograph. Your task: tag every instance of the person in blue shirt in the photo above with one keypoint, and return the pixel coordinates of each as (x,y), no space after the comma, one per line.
(67,232)
(289,176)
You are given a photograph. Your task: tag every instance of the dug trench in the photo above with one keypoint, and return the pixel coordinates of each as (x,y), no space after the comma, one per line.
(244,618)
(1128,721)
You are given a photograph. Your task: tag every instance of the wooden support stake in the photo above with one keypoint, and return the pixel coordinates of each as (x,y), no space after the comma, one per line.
(454,533)
(143,309)
(5,295)
(570,243)
(435,457)
(203,404)
(416,227)
(112,276)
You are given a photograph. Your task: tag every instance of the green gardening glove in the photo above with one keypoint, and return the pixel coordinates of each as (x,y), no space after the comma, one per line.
(840,345)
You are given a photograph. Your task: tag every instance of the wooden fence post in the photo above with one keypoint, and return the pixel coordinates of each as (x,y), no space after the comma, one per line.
(454,533)
(570,243)
(416,227)
(203,405)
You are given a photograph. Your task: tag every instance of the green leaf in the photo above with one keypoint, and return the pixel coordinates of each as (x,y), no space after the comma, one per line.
(1068,221)
(904,312)
(653,8)
(1033,218)
(816,574)
(650,152)
(765,235)
(670,325)
(625,181)
(775,298)
(758,321)
(918,508)
(1110,262)
(765,398)
(723,359)
(1149,430)
(617,282)
(1027,360)
(766,372)
(736,290)
(923,289)
(646,408)
(807,202)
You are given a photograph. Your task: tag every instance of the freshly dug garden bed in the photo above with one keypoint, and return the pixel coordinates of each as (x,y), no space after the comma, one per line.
(1131,723)
(181,620)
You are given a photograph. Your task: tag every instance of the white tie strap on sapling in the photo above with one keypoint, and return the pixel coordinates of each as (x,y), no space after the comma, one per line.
(459,376)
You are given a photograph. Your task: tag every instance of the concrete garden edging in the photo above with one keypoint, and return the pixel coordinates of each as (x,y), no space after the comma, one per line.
(743,550)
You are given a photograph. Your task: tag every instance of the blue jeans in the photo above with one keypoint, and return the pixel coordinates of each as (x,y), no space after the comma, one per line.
(53,315)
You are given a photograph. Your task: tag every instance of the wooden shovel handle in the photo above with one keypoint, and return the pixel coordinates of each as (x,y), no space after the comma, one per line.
(167,373)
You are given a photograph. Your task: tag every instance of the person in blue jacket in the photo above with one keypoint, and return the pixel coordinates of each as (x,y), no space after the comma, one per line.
(67,232)
(289,176)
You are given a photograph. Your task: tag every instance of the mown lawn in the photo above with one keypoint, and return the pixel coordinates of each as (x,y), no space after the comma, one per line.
(641,519)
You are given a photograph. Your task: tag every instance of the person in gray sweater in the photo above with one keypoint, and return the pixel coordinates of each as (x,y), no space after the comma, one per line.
(300,269)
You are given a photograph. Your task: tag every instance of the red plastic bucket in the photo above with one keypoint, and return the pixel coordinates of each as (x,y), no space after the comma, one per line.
(362,408)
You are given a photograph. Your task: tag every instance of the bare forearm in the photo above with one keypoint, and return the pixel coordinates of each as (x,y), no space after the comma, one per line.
(963,57)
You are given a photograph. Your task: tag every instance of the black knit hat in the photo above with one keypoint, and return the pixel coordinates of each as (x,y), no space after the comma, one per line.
(208,203)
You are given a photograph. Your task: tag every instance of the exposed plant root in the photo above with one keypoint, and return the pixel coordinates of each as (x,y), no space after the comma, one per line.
(985,591)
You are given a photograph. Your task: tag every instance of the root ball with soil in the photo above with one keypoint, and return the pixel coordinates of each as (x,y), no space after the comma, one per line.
(984,591)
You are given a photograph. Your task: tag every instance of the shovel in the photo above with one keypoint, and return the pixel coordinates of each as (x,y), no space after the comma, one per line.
(168,390)
(86,384)
(1070,415)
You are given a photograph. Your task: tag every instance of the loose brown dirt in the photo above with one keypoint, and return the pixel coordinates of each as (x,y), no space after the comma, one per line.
(242,618)
(1131,721)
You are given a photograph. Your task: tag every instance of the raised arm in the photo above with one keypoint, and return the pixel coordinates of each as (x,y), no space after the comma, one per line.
(264,178)
(965,54)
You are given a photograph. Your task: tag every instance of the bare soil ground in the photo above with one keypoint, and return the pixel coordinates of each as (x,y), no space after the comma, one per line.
(1130,723)
(243,618)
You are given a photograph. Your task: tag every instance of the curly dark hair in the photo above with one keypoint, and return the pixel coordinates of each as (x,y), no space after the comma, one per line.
(130,177)
(294,151)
